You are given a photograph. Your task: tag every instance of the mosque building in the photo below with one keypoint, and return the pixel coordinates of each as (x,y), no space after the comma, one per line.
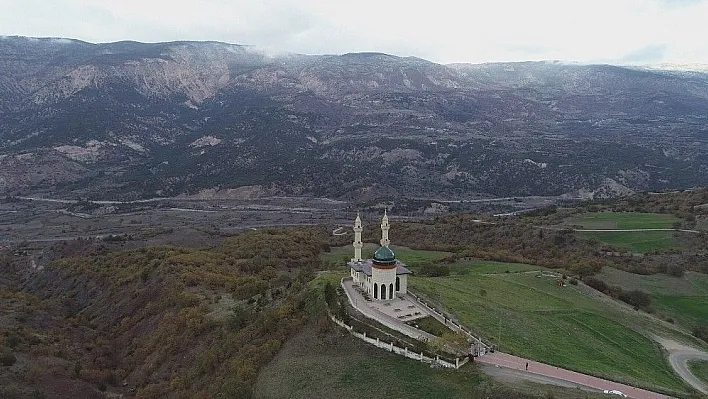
(383,277)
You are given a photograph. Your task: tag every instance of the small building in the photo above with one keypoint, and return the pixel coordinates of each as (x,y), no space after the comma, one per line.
(383,277)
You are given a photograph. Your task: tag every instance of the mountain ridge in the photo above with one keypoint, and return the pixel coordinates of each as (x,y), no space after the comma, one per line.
(120,118)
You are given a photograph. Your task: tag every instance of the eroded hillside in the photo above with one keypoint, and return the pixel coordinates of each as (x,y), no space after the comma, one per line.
(127,120)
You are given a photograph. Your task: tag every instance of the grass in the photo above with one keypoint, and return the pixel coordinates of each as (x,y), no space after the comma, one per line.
(699,368)
(657,284)
(431,325)
(684,299)
(530,316)
(636,241)
(335,365)
(623,220)
(688,311)
(316,364)
(489,267)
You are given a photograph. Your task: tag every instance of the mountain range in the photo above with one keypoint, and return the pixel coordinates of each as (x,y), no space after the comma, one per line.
(132,120)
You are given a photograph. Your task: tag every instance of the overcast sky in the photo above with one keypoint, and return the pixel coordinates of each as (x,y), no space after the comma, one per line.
(611,31)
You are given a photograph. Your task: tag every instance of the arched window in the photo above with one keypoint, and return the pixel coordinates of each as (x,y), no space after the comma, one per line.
(376,291)
(390,291)
(398,284)
(383,291)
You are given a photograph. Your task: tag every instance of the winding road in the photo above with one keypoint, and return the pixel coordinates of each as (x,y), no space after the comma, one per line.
(679,355)
(679,361)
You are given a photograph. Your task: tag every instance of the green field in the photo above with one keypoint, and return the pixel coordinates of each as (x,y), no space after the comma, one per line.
(530,316)
(686,310)
(336,365)
(684,299)
(635,241)
(699,368)
(489,267)
(431,325)
(326,366)
(623,220)
(520,308)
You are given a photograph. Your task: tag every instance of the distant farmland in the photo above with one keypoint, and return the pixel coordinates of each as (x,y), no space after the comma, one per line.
(635,241)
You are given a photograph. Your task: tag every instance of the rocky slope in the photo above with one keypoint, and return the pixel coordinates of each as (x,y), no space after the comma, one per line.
(126,120)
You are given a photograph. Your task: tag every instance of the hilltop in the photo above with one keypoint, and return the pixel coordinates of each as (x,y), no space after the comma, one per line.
(192,310)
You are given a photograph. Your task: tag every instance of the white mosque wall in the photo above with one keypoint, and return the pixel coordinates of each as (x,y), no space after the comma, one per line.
(402,283)
(386,278)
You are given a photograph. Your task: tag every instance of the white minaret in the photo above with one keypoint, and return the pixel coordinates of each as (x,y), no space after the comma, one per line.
(384,230)
(357,239)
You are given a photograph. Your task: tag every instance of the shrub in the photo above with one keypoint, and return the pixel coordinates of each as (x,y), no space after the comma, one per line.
(7,358)
(675,270)
(330,294)
(596,284)
(12,339)
(701,332)
(636,298)
(433,270)
(573,281)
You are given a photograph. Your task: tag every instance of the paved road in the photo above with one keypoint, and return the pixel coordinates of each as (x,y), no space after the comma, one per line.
(515,363)
(679,361)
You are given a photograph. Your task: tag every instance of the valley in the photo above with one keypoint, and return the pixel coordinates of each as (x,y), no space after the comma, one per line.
(77,275)
(176,220)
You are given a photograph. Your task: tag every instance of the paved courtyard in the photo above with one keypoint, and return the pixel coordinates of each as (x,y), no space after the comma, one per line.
(394,313)
(403,308)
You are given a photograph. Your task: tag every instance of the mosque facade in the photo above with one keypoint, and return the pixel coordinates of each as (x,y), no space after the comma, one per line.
(382,277)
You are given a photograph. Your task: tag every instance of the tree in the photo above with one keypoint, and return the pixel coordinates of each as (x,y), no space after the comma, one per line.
(636,298)
(329,294)
(7,358)
(675,270)
(701,332)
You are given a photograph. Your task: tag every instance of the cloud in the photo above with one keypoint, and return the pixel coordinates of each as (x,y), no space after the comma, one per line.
(651,54)
(616,31)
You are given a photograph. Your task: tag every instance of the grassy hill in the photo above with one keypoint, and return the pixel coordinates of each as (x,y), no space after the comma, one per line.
(683,300)
(325,361)
(521,308)
(527,314)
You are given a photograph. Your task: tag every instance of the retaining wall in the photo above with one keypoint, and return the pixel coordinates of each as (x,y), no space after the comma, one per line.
(389,346)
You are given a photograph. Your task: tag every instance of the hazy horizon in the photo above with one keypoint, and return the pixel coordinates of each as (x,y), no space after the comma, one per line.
(621,32)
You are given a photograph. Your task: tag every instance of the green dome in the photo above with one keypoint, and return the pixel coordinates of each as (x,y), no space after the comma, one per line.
(384,256)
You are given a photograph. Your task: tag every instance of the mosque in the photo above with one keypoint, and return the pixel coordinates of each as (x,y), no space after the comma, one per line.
(383,277)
